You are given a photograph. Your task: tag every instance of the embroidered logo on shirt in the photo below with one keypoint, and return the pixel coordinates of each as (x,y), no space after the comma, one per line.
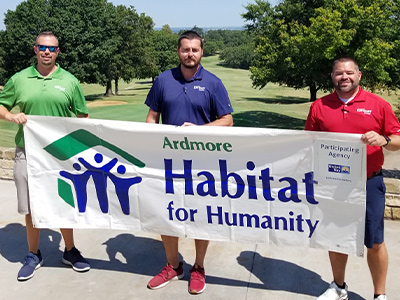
(200,88)
(365,111)
(62,89)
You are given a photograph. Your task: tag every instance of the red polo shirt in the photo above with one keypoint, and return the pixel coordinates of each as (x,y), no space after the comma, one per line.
(364,113)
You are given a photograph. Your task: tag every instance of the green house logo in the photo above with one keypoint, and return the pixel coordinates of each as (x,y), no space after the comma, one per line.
(74,144)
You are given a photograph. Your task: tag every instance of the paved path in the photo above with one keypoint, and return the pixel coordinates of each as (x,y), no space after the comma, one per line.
(122,263)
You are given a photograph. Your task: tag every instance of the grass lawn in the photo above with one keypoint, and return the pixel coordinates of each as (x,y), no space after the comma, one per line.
(272,107)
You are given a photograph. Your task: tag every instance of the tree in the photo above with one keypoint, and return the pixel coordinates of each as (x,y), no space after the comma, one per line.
(160,53)
(238,57)
(237,50)
(397,111)
(23,25)
(212,47)
(130,39)
(81,30)
(199,30)
(2,56)
(219,40)
(296,41)
(98,41)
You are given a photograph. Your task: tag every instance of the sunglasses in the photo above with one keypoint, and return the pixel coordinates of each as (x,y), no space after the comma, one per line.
(44,47)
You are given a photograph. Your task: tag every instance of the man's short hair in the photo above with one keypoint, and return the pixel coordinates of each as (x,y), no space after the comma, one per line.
(45,33)
(342,59)
(190,35)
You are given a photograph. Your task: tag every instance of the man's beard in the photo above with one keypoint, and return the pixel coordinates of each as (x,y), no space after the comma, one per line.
(190,66)
(350,87)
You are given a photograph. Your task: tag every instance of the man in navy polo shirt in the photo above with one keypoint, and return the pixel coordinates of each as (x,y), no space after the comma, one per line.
(184,96)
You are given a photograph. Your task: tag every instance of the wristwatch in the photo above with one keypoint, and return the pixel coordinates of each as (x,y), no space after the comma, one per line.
(388,140)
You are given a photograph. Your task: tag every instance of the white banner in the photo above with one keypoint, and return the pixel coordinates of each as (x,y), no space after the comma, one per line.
(282,187)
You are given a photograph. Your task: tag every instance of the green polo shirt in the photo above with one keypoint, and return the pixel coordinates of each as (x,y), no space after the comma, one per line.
(57,95)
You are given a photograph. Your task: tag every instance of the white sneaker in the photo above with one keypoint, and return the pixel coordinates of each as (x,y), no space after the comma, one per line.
(381,297)
(334,293)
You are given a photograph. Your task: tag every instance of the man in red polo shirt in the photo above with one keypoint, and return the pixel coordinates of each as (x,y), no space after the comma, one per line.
(350,109)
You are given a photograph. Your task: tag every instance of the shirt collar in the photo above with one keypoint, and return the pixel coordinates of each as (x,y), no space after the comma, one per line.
(197,76)
(357,98)
(34,73)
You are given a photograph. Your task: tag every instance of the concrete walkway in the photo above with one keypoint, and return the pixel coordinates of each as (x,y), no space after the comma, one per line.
(123,262)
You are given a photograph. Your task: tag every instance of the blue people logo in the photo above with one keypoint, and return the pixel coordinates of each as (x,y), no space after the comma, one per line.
(74,144)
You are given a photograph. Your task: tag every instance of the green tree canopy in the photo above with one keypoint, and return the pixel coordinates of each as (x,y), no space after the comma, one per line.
(238,57)
(160,53)
(24,25)
(199,30)
(98,41)
(297,40)
(130,39)
(229,43)
(2,56)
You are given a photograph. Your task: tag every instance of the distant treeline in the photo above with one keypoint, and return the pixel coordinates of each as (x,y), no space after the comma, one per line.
(293,43)
(204,29)
(101,43)
(234,47)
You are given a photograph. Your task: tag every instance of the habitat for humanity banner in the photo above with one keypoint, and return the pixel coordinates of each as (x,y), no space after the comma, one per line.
(284,187)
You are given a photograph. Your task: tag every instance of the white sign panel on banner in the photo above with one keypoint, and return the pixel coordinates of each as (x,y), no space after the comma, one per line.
(284,187)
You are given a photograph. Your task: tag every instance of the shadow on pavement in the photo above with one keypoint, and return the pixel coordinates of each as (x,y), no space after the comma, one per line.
(126,252)
(391,173)
(14,247)
(145,256)
(138,253)
(280,275)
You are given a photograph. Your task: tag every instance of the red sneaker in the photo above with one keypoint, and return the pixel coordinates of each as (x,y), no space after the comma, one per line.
(197,283)
(166,275)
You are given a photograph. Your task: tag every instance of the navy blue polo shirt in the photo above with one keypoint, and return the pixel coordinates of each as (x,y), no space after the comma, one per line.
(199,100)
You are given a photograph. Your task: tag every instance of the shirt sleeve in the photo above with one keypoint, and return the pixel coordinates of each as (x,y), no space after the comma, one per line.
(154,96)
(311,123)
(221,103)
(78,103)
(7,96)
(391,123)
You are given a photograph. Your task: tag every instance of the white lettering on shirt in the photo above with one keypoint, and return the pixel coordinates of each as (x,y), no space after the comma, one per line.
(365,111)
(200,88)
(62,89)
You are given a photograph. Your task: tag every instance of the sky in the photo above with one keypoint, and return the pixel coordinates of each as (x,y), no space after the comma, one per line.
(175,13)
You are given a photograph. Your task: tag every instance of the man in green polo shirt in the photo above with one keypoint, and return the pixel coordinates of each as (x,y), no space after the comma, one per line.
(43,89)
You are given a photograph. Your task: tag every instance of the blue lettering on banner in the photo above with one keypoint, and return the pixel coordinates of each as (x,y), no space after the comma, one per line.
(261,221)
(237,184)
(235,219)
